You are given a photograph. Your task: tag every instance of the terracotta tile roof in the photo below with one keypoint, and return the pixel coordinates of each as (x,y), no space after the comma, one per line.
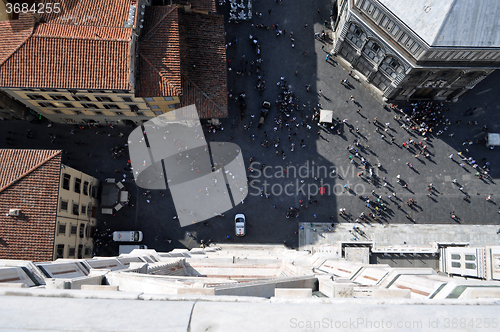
(85,46)
(14,34)
(159,72)
(29,181)
(201,5)
(184,52)
(105,13)
(203,64)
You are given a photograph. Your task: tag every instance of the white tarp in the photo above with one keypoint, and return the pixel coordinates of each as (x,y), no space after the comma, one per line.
(326,116)
(493,140)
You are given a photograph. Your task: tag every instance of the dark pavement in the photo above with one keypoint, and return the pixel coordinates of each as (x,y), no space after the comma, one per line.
(266,217)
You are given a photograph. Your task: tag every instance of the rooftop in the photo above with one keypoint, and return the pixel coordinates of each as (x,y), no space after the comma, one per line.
(450,22)
(85,46)
(184,54)
(29,181)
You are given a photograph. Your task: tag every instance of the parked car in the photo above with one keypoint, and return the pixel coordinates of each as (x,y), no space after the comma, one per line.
(239,224)
(127,236)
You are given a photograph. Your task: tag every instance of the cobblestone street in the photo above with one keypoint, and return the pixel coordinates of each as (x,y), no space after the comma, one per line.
(294,171)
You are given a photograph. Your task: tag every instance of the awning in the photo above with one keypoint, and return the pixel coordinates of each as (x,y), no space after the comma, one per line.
(493,140)
(326,116)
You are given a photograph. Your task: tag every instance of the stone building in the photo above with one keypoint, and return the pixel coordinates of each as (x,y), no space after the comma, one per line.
(255,287)
(47,209)
(418,49)
(114,61)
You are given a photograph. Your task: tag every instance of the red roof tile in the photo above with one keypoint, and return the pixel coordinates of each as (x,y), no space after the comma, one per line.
(203,64)
(29,181)
(85,46)
(159,71)
(201,5)
(105,13)
(14,34)
(185,52)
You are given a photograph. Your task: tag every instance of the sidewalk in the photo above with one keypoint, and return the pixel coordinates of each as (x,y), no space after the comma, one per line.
(402,234)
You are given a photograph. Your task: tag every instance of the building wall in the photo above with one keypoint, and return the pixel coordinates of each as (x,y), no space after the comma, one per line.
(88,106)
(398,62)
(76,214)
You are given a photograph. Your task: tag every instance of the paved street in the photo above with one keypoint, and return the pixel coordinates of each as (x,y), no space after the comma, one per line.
(301,65)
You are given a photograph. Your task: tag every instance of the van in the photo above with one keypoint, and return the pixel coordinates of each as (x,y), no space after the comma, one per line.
(127,248)
(127,236)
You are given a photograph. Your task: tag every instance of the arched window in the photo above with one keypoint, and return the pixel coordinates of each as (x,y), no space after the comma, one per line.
(356,34)
(392,67)
(374,51)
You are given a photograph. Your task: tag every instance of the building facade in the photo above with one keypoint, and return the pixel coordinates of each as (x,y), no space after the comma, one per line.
(77,207)
(47,209)
(83,70)
(418,50)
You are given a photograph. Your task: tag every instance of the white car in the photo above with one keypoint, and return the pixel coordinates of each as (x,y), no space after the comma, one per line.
(239,224)
(127,236)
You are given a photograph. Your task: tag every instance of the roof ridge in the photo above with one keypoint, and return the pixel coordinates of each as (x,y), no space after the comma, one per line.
(147,35)
(21,44)
(57,152)
(175,87)
(201,90)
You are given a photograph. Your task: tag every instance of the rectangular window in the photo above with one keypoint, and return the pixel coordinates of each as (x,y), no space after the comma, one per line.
(415,48)
(168,98)
(148,99)
(171,106)
(76,209)
(60,251)
(78,183)
(154,106)
(83,209)
(46,104)
(48,90)
(61,229)
(140,114)
(71,252)
(103,98)
(404,38)
(86,188)
(74,229)
(69,105)
(81,98)
(385,21)
(134,108)
(87,251)
(470,266)
(80,251)
(127,99)
(64,205)
(111,106)
(119,113)
(89,105)
(58,97)
(98,113)
(94,192)
(158,112)
(470,257)
(82,231)
(36,97)
(74,92)
(57,111)
(395,31)
(365,5)
(66,179)
(78,112)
